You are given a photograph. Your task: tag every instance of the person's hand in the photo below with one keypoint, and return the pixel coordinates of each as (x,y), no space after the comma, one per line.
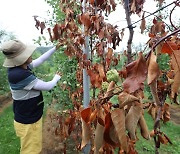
(59,73)
(58,45)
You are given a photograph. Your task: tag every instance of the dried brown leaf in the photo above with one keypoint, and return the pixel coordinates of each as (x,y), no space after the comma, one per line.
(125,99)
(110,89)
(153,68)
(99,135)
(101,71)
(143,24)
(108,128)
(86,133)
(118,119)
(153,88)
(144,128)
(176,66)
(136,72)
(132,119)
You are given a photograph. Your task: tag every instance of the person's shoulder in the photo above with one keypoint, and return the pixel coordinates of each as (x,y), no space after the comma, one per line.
(18,74)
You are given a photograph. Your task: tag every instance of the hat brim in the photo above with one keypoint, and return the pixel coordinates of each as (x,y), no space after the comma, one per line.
(20,59)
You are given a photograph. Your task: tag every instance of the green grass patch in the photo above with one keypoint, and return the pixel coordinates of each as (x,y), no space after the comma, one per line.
(170,129)
(9,143)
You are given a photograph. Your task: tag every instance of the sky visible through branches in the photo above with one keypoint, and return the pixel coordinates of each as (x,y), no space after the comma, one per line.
(17,18)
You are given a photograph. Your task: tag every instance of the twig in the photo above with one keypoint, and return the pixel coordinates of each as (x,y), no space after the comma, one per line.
(162,39)
(152,14)
(170,18)
(161,20)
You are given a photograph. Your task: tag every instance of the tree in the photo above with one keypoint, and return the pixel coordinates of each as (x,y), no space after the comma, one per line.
(103,121)
(4,36)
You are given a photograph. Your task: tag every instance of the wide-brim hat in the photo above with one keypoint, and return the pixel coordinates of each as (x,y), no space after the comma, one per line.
(16,52)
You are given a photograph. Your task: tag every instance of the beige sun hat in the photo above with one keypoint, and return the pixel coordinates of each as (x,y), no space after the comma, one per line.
(16,53)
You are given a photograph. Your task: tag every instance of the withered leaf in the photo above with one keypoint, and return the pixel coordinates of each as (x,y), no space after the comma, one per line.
(165,113)
(85,20)
(99,133)
(136,72)
(108,125)
(86,133)
(42,26)
(115,40)
(101,71)
(125,99)
(153,88)
(85,114)
(169,47)
(162,139)
(152,110)
(143,24)
(118,119)
(50,35)
(133,6)
(153,68)
(56,32)
(176,66)
(132,119)
(110,89)
(144,128)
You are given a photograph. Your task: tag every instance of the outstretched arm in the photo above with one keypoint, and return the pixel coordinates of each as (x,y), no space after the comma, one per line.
(42,58)
(42,85)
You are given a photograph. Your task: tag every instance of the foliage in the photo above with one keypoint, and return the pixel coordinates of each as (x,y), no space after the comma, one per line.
(68,82)
(4,86)
(5,36)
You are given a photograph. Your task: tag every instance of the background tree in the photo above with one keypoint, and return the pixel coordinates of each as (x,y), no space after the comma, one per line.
(4,36)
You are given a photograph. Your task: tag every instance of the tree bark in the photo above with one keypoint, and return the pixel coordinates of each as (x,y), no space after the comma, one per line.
(131,31)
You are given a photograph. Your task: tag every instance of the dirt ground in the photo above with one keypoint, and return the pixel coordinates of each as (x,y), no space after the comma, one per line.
(51,141)
(5,101)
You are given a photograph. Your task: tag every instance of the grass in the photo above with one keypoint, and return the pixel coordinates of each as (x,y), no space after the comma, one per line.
(170,129)
(9,143)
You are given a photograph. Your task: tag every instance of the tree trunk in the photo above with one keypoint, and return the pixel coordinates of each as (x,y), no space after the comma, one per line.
(131,31)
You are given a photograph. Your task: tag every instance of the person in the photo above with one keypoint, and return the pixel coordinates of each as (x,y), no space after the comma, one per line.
(26,91)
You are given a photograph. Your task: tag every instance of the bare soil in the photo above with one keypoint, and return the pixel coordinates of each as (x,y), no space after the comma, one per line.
(5,101)
(175,113)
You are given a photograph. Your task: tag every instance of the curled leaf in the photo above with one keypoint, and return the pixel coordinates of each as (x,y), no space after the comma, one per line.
(86,133)
(118,119)
(110,89)
(136,72)
(153,87)
(99,132)
(153,68)
(176,66)
(108,128)
(125,99)
(143,24)
(132,119)
(144,128)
